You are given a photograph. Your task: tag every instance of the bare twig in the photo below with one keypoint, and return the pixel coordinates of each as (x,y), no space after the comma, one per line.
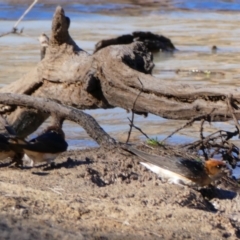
(6,33)
(217,143)
(202,139)
(139,129)
(25,13)
(189,123)
(14,29)
(230,107)
(212,137)
(132,120)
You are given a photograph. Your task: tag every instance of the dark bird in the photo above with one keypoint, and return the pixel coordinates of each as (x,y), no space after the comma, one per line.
(44,148)
(184,171)
(6,148)
(153,42)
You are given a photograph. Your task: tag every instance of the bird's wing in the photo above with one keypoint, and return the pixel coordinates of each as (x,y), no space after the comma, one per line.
(184,167)
(4,144)
(48,143)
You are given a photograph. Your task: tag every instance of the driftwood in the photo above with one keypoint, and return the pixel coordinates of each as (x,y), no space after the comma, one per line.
(153,42)
(112,77)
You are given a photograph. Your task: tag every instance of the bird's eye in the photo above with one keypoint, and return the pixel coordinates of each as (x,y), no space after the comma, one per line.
(219,166)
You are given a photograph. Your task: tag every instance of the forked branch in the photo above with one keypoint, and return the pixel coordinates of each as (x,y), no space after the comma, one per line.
(91,126)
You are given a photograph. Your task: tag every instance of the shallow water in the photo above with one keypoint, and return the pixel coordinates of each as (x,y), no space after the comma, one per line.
(194,28)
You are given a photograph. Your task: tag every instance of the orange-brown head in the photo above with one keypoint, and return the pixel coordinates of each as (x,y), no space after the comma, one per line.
(216,169)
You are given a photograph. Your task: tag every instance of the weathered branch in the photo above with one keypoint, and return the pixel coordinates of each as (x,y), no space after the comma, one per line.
(50,107)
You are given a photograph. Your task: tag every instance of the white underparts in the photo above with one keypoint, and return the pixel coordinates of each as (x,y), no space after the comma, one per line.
(167,174)
(30,157)
(27,160)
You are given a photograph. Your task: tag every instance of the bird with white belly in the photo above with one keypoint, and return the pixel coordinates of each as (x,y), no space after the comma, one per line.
(44,148)
(183,171)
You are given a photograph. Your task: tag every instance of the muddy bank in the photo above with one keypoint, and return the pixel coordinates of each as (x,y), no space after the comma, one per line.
(92,194)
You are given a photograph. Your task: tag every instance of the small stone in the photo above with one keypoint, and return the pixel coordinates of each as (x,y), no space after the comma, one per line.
(226,235)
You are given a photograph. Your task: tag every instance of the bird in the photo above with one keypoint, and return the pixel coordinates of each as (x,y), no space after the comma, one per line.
(6,148)
(45,147)
(43,39)
(182,171)
(44,42)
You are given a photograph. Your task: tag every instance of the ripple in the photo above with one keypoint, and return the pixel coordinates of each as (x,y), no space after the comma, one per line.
(213,5)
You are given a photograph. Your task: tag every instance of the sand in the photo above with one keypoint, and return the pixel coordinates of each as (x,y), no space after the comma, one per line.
(94,194)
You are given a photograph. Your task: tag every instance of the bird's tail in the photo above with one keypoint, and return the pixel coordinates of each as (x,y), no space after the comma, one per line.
(16,144)
(154,159)
(17,141)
